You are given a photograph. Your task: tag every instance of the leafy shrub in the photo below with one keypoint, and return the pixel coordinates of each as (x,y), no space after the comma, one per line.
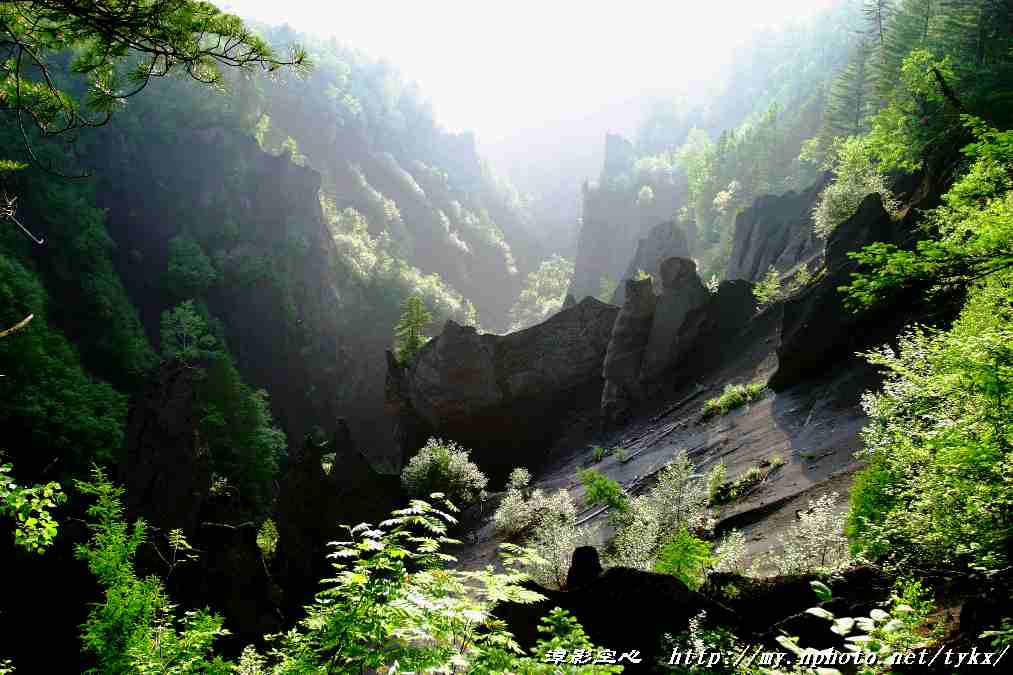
(715,481)
(677,500)
(685,557)
(518,479)
(190,271)
(267,539)
(887,634)
(390,604)
(729,553)
(734,396)
(134,629)
(520,511)
(855,177)
(446,467)
(599,453)
(768,290)
(754,475)
(603,491)
(554,539)
(31,508)
(817,542)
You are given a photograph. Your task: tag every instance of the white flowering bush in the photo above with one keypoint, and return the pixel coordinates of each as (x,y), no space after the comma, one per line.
(444,466)
(855,177)
(817,542)
(730,553)
(677,500)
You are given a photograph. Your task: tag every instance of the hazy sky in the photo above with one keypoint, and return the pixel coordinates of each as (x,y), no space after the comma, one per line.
(500,68)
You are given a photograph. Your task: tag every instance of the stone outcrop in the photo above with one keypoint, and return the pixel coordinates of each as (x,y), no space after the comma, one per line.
(167,474)
(166,469)
(664,241)
(677,319)
(314,504)
(614,219)
(776,230)
(621,369)
(501,395)
(817,328)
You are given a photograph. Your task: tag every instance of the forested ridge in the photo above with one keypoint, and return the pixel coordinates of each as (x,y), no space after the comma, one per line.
(217,237)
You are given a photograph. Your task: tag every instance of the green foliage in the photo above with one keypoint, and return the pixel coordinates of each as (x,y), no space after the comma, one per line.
(734,396)
(91,306)
(267,539)
(133,629)
(543,293)
(50,402)
(117,48)
(937,446)
(444,467)
(190,271)
(972,232)
(685,557)
(677,500)
(768,290)
(31,508)
(241,436)
(887,634)
(408,333)
(600,490)
(186,336)
(856,175)
(716,480)
(723,492)
(598,452)
(393,601)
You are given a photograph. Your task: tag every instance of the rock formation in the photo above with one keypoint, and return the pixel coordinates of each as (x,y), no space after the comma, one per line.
(664,241)
(614,219)
(501,395)
(314,505)
(166,469)
(167,473)
(677,319)
(776,230)
(817,327)
(630,333)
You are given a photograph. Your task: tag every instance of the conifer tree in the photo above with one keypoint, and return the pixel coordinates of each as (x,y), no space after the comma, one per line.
(408,335)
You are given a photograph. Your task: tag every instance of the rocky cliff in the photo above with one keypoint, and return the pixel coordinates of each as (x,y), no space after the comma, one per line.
(776,230)
(665,240)
(502,396)
(616,215)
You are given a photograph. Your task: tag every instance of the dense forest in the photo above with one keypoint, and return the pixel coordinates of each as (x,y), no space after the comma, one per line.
(252,291)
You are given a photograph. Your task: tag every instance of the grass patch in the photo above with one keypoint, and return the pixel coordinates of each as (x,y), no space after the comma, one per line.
(729,491)
(734,396)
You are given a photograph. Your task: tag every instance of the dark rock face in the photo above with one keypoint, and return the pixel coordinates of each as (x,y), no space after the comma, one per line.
(278,297)
(817,328)
(313,505)
(166,470)
(167,473)
(621,369)
(776,230)
(664,241)
(677,320)
(622,609)
(501,395)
